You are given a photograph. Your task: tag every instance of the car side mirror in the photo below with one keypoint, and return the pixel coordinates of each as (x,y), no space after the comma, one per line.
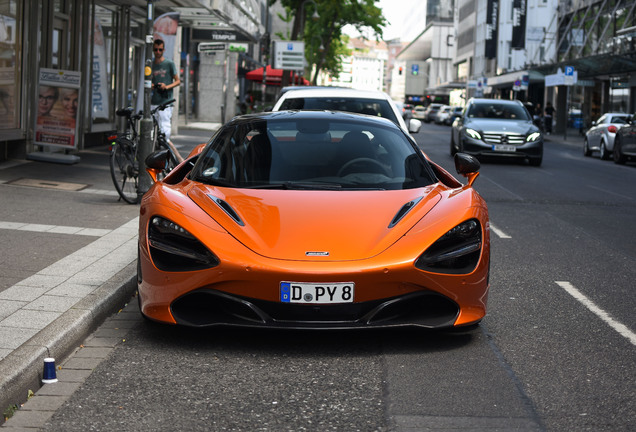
(157,162)
(468,166)
(414,125)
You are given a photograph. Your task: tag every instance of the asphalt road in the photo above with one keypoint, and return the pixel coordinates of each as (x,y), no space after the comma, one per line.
(556,351)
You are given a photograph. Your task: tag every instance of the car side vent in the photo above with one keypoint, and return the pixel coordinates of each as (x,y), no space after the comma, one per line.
(227,209)
(403,211)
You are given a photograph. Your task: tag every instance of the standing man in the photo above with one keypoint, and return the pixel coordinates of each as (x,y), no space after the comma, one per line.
(165,77)
(549,112)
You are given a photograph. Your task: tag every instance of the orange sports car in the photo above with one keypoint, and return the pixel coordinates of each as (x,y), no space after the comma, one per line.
(313,219)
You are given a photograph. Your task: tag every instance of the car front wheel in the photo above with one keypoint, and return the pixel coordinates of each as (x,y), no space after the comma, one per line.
(604,154)
(586,148)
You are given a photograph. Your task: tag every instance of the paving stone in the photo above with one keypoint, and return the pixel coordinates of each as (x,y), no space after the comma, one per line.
(44,403)
(58,389)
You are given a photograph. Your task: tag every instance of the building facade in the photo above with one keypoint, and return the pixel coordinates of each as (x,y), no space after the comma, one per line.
(96,50)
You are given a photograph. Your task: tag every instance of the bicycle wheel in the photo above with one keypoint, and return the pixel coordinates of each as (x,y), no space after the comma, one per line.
(124,170)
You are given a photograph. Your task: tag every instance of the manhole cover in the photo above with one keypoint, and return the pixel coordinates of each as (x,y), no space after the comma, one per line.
(48,184)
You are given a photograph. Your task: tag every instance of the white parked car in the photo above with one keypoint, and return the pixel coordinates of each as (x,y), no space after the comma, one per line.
(373,103)
(443,114)
(600,137)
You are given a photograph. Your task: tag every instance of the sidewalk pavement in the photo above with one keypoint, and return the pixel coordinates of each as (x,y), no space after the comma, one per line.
(68,260)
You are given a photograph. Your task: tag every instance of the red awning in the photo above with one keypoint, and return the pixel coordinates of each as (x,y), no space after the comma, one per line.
(274,77)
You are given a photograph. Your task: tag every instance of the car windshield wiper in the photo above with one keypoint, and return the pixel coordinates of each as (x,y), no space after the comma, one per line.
(215,181)
(298,185)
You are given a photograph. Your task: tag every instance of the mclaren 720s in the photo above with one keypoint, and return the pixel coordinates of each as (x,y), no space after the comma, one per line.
(313,219)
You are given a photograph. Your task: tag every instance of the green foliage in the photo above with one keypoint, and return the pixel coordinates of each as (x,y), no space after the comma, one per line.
(364,15)
(8,413)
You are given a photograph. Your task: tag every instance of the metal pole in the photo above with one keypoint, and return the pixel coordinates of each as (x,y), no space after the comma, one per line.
(146,126)
(567,109)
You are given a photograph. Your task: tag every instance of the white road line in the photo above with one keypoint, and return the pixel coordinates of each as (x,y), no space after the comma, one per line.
(610,192)
(499,232)
(619,327)
(55,229)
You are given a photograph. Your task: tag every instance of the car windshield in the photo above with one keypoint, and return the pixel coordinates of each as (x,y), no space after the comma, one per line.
(312,153)
(620,119)
(374,107)
(495,110)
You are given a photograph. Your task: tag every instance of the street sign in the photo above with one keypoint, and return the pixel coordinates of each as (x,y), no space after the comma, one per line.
(211,46)
(289,55)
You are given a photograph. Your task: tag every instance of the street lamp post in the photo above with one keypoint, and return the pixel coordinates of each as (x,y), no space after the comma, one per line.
(146,126)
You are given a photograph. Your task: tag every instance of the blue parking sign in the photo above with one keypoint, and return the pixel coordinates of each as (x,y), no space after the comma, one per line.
(569,71)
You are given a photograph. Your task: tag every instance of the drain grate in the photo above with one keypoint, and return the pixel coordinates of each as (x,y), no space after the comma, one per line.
(48,184)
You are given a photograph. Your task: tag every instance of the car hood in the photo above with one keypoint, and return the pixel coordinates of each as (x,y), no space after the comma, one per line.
(498,125)
(311,225)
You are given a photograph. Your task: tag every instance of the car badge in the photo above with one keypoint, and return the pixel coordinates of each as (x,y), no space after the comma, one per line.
(311,253)
(504,139)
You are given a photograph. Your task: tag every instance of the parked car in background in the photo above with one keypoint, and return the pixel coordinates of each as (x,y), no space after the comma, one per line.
(625,142)
(431,112)
(443,114)
(501,128)
(419,112)
(374,103)
(600,137)
(455,112)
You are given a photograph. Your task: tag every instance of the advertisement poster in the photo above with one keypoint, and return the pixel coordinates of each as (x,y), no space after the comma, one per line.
(518,25)
(58,101)
(101,105)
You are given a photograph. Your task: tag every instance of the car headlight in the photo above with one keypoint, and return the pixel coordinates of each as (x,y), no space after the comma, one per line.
(174,249)
(533,136)
(456,252)
(472,133)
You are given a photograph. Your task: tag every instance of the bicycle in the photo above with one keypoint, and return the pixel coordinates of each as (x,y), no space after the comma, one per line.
(124,165)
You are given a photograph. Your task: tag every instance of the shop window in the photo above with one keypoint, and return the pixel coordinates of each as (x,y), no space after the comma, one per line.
(10,49)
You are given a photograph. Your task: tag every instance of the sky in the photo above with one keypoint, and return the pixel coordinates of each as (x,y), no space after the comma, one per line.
(400,15)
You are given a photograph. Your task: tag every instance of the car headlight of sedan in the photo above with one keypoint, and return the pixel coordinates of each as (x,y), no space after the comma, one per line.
(174,249)
(472,133)
(456,252)
(533,137)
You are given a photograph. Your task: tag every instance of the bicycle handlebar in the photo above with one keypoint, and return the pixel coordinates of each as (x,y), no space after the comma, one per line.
(162,107)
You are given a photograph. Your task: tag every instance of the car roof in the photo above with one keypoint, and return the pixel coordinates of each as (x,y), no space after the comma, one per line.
(487,100)
(294,115)
(335,92)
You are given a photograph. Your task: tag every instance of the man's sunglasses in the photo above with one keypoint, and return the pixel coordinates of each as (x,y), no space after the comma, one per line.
(157,49)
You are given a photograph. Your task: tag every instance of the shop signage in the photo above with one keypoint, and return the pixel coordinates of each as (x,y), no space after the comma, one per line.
(211,46)
(289,55)
(207,35)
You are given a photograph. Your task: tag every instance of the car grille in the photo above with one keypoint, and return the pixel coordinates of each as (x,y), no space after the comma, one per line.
(503,138)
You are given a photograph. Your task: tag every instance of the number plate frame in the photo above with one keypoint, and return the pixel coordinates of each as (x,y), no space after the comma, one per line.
(504,148)
(317,292)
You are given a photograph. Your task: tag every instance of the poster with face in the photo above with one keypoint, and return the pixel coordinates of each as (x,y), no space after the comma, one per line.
(58,103)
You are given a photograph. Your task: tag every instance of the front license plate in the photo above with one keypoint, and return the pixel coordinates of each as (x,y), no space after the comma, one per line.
(504,148)
(303,292)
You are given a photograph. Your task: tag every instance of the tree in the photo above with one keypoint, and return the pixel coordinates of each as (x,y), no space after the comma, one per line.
(327,30)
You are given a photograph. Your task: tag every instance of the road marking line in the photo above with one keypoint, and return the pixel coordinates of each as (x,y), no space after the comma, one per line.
(499,232)
(610,192)
(619,327)
(55,229)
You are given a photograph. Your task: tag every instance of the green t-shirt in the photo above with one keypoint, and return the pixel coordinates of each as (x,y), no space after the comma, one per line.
(162,73)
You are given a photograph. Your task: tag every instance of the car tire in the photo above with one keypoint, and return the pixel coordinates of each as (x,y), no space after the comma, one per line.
(586,148)
(604,155)
(453,149)
(535,161)
(619,158)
